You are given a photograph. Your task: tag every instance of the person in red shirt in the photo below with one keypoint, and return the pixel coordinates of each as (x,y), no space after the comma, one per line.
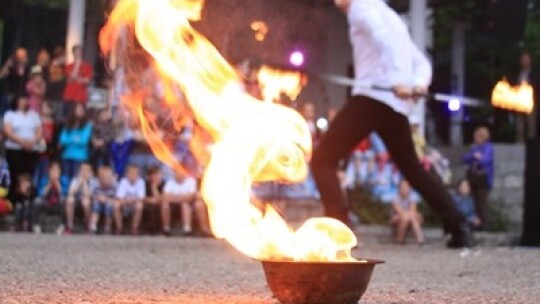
(79,75)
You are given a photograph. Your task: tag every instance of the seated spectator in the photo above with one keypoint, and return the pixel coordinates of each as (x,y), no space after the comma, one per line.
(353,173)
(121,147)
(141,154)
(75,141)
(465,203)
(183,190)
(80,192)
(48,130)
(36,88)
(130,196)
(50,199)
(23,199)
(104,198)
(405,214)
(102,136)
(154,197)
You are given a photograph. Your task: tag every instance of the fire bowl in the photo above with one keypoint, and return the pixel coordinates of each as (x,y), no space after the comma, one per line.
(318,282)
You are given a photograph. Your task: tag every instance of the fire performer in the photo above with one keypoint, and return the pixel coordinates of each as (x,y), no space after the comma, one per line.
(384,55)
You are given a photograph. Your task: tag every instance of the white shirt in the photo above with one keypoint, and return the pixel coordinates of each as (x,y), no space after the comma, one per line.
(187,186)
(128,190)
(23,124)
(384,54)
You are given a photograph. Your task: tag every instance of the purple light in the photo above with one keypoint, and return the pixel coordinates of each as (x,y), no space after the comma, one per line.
(297,58)
(454,105)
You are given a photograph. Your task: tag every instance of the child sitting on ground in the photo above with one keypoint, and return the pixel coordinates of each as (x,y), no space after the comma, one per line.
(405,214)
(130,196)
(182,189)
(104,198)
(50,199)
(154,197)
(465,204)
(80,192)
(23,199)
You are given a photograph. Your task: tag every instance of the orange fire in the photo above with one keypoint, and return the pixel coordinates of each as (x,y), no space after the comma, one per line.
(260,28)
(249,140)
(274,83)
(515,98)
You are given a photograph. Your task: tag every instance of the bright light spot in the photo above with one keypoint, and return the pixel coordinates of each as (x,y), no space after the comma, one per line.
(322,124)
(297,58)
(454,105)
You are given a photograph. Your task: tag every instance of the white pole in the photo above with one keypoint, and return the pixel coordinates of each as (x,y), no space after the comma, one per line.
(458,80)
(75,26)
(419,15)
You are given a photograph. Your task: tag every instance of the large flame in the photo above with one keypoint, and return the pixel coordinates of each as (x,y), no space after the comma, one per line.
(275,82)
(251,141)
(515,98)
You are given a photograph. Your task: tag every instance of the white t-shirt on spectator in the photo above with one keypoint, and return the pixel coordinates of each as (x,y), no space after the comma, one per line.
(127,189)
(23,124)
(187,186)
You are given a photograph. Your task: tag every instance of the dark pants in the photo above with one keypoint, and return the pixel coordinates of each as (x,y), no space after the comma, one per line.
(24,211)
(70,168)
(356,121)
(43,208)
(480,196)
(20,162)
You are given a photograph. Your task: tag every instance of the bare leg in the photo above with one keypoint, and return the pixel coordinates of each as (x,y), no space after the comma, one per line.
(402,229)
(417,228)
(186,216)
(166,216)
(85,202)
(70,212)
(202,216)
(137,217)
(93,222)
(118,217)
(108,224)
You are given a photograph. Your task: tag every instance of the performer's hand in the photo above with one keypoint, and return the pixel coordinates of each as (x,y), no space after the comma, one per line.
(420,91)
(403,92)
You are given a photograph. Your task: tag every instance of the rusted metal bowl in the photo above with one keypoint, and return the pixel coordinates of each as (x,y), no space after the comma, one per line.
(318,282)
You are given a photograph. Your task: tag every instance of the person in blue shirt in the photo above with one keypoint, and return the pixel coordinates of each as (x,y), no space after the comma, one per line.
(465,204)
(75,142)
(480,172)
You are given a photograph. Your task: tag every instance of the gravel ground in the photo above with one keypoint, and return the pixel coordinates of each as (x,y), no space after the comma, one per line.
(85,269)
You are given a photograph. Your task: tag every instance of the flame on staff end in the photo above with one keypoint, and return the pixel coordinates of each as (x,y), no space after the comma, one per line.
(274,83)
(246,140)
(514,98)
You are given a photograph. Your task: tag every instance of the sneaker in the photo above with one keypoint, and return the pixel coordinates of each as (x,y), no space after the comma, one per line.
(134,231)
(60,229)
(68,231)
(461,237)
(187,232)
(37,229)
(166,232)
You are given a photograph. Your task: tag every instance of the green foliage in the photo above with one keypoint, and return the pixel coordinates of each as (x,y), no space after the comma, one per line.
(497,218)
(532,29)
(54,4)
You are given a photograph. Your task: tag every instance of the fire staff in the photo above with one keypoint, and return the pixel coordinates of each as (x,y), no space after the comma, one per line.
(384,56)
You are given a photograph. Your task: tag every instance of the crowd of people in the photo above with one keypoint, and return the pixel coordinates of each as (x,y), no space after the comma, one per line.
(61,157)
